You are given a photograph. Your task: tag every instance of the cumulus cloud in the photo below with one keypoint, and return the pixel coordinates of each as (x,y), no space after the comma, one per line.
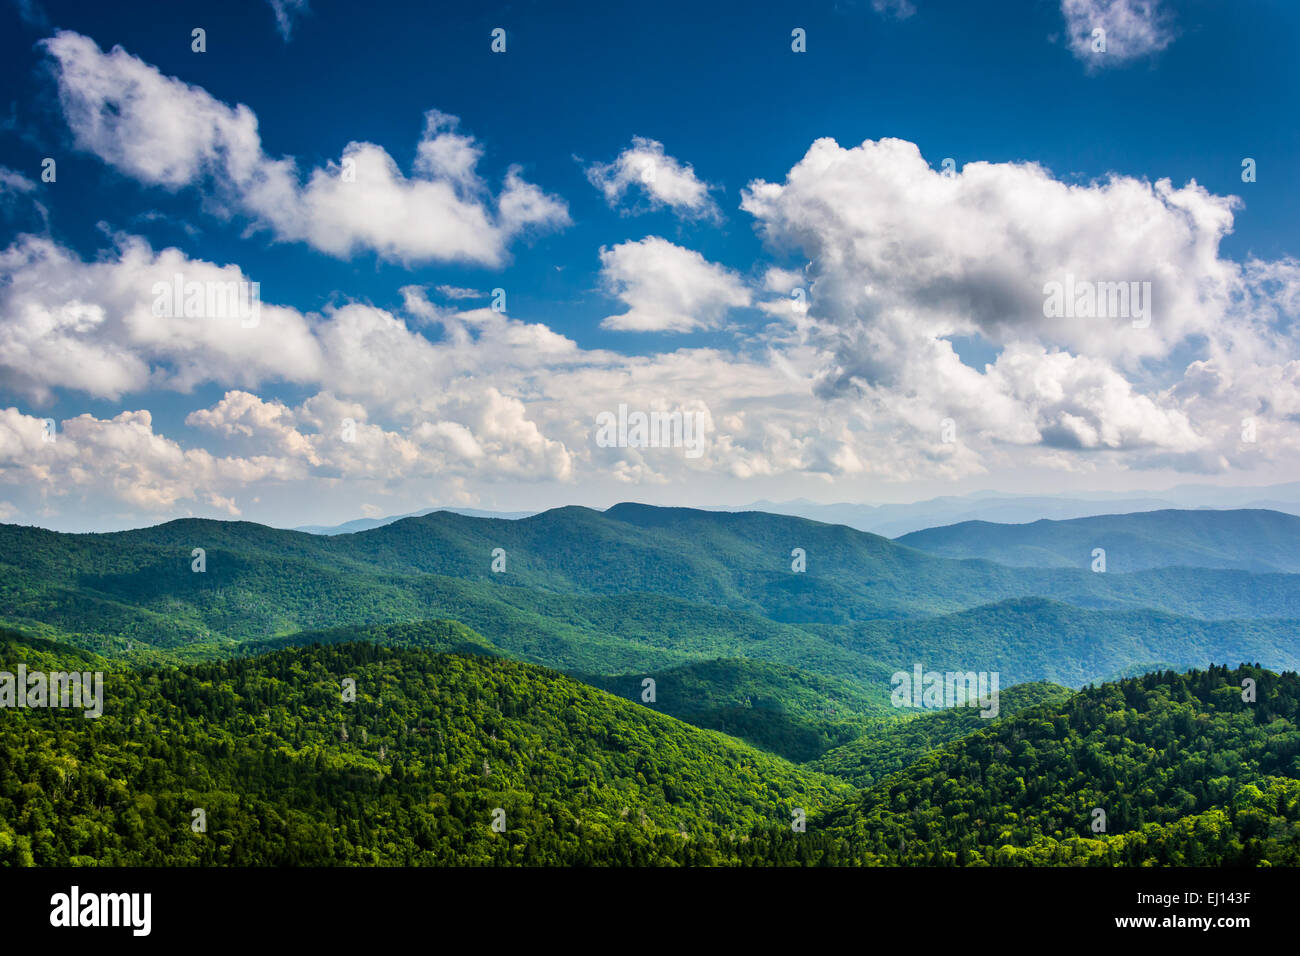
(123,463)
(668,288)
(1132,29)
(96,326)
(469,399)
(896,242)
(168,133)
(908,274)
(488,432)
(661,179)
(905,261)
(124,460)
(1081,403)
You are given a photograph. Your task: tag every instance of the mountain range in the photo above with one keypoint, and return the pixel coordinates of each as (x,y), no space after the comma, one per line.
(895,519)
(657,685)
(643,588)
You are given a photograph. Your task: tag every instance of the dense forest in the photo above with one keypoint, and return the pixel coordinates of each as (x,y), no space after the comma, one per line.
(1184,770)
(773,706)
(893,745)
(474,759)
(410,772)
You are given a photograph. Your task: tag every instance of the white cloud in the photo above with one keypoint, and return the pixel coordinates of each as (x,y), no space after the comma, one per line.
(1082,403)
(12,181)
(667,288)
(164,132)
(124,461)
(285,11)
(905,260)
(490,399)
(898,245)
(782,280)
(1133,29)
(662,180)
(92,325)
(908,274)
(458,292)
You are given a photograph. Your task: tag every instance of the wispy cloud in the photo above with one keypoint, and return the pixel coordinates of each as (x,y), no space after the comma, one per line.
(285,13)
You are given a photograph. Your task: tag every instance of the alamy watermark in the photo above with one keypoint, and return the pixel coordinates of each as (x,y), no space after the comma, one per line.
(56,689)
(129,910)
(1084,299)
(935,689)
(209,299)
(636,429)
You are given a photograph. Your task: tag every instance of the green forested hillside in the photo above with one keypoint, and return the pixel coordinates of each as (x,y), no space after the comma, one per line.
(1185,771)
(413,771)
(39,653)
(1244,539)
(446,636)
(773,706)
(1041,640)
(888,747)
(409,773)
(781,709)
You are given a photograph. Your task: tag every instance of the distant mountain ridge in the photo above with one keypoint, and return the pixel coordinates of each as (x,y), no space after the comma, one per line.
(366,524)
(894,519)
(1247,540)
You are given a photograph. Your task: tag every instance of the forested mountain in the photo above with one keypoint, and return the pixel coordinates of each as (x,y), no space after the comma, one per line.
(778,708)
(1181,768)
(1260,541)
(365,524)
(898,519)
(890,746)
(633,588)
(895,520)
(447,636)
(1041,640)
(437,746)
(287,772)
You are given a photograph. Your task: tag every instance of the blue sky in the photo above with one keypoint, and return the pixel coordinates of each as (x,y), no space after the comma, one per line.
(845,401)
